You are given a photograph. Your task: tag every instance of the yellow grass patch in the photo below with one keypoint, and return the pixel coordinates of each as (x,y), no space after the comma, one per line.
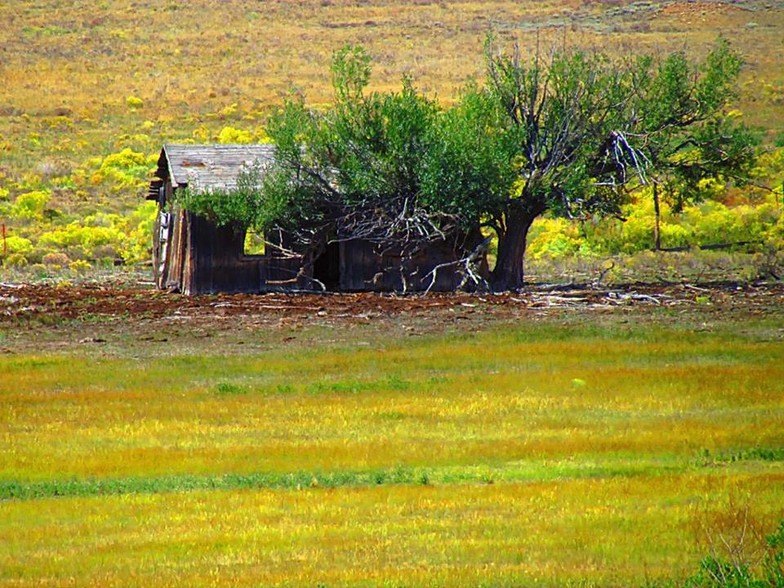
(429,405)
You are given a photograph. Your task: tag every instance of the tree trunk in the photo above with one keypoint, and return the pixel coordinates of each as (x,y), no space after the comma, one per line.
(508,272)
(657,218)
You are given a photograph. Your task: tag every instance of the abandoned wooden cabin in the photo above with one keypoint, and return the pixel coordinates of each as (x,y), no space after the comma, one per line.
(193,255)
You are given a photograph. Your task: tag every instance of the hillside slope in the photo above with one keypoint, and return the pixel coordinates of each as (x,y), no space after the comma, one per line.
(90,91)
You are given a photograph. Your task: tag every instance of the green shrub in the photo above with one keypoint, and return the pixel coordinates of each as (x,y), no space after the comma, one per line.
(240,207)
(39,270)
(15,260)
(227,389)
(738,572)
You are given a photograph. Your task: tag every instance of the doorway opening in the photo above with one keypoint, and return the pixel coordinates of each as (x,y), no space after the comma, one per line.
(326,268)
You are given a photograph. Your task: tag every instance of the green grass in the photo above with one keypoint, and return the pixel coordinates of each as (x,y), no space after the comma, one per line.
(615,531)
(575,449)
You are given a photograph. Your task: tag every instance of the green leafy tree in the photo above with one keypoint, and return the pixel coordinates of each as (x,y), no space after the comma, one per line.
(239,206)
(681,129)
(570,135)
(383,167)
(588,129)
(559,116)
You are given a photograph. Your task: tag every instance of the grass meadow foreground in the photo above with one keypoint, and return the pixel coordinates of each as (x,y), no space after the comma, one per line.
(552,447)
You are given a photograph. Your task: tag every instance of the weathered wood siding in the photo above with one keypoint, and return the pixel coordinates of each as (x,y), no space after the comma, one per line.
(178,243)
(363,268)
(215,262)
(194,256)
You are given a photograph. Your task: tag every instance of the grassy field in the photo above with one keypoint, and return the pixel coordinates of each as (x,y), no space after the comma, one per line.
(593,448)
(462,446)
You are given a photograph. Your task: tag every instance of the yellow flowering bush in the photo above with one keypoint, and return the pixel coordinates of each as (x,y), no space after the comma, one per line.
(14,244)
(125,170)
(139,226)
(134,102)
(553,237)
(30,205)
(79,241)
(232,135)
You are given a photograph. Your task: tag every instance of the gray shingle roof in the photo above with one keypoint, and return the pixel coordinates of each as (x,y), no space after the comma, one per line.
(211,167)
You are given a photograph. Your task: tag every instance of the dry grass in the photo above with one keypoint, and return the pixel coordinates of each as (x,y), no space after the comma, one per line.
(71,74)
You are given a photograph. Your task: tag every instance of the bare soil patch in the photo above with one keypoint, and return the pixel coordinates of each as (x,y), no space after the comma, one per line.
(25,308)
(30,302)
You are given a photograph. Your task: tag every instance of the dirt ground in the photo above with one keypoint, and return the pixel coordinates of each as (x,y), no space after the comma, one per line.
(39,318)
(49,304)
(21,303)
